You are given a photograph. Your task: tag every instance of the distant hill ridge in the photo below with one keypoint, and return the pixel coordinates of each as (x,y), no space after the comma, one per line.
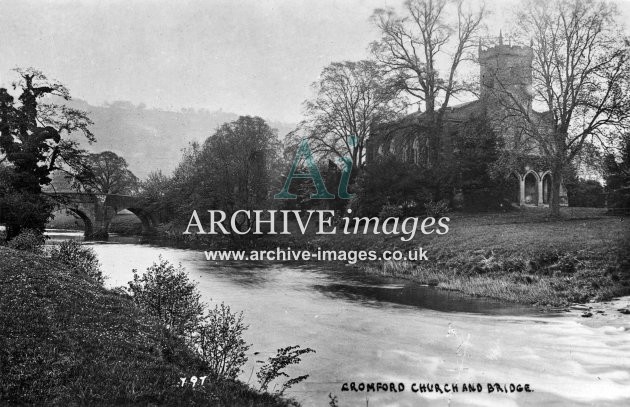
(153,139)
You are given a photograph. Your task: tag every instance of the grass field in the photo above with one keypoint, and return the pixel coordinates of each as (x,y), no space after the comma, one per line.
(526,257)
(65,340)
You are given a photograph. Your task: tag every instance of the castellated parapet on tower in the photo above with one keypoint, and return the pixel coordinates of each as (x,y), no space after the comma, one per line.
(505,68)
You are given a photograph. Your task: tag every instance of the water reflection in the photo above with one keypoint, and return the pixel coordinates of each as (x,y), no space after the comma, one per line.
(422,297)
(252,276)
(56,235)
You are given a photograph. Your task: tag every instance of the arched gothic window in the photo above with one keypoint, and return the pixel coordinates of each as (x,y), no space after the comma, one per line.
(416,151)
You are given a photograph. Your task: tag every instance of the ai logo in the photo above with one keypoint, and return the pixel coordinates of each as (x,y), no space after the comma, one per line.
(304,151)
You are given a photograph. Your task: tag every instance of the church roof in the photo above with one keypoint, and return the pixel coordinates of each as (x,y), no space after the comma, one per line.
(456,113)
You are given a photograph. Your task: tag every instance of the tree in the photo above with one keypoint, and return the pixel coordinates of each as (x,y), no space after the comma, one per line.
(106,173)
(33,144)
(617,177)
(238,165)
(235,168)
(32,129)
(351,98)
(391,182)
(477,165)
(21,208)
(183,193)
(415,46)
(581,76)
(153,192)
(586,193)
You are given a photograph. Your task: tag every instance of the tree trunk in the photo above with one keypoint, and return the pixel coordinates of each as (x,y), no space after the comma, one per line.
(556,181)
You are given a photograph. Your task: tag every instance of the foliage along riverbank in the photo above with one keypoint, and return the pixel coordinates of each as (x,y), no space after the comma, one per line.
(520,256)
(66,340)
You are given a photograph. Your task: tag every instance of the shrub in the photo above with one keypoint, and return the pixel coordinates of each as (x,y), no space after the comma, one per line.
(166,293)
(22,205)
(480,167)
(216,338)
(219,342)
(586,193)
(390,211)
(514,264)
(29,240)
(541,261)
(566,263)
(273,368)
(389,181)
(81,259)
(437,209)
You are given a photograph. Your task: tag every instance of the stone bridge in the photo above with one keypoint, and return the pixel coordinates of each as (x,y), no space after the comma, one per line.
(98,210)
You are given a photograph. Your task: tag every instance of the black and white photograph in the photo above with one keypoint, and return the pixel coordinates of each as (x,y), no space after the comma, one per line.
(314,203)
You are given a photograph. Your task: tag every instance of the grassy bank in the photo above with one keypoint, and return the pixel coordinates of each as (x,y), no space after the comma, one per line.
(65,340)
(524,257)
(521,256)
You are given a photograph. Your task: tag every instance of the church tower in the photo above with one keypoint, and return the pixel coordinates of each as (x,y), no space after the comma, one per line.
(505,75)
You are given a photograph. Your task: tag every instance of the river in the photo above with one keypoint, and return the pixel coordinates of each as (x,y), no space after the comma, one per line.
(368,329)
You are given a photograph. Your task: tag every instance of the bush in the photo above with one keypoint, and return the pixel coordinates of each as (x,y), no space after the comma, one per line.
(479,164)
(219,342)
(166,293)
(81,259)
(586,193)
(21,205)
(567,263)
(29,240)
(216,338)
(389,181)
(437,209)
(273,368)
(390,211)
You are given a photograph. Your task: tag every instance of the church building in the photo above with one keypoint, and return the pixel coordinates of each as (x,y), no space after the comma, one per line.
(505,80)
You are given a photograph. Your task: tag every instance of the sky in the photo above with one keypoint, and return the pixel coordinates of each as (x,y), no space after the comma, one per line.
(255,57)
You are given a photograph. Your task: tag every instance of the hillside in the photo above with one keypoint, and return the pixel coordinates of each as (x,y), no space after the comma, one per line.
(65,340)
(152,139)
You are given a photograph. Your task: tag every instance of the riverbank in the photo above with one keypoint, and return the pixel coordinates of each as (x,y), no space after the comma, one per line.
(521,256)
(405,332)
(65,340)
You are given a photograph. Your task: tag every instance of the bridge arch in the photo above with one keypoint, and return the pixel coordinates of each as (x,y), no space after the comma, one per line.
(148,221)
(88,227)
(98,210)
